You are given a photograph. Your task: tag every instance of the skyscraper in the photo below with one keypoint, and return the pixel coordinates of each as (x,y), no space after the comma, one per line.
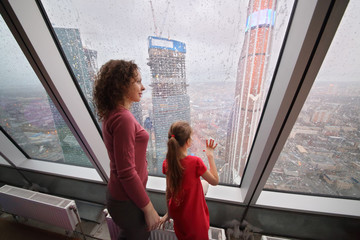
(81,60)
(169,94)
(136,110)
(83,64)
(91,60)
(249,91)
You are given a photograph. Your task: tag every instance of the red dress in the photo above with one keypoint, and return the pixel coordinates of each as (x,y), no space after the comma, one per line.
(189,211)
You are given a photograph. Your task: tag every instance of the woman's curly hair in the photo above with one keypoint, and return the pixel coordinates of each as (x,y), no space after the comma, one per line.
(111,84)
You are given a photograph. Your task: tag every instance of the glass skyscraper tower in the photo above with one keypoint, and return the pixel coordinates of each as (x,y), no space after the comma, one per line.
(169,94)
(83,62)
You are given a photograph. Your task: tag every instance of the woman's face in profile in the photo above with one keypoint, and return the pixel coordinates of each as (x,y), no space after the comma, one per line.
(134,92)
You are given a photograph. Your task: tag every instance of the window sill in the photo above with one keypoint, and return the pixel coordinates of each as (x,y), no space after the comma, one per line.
(82,173)
(306,203)
(215,193)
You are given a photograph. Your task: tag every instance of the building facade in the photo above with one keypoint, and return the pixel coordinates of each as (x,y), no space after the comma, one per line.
(250,86)
(83,63)
(169,91)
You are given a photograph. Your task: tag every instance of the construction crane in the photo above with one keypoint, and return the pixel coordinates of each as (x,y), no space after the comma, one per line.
(158,31)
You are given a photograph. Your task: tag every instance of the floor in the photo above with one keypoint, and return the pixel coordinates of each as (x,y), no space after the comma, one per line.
(15,228)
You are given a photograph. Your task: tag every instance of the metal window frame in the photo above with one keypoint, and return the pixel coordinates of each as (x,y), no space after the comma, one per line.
(313,25)
(29,29)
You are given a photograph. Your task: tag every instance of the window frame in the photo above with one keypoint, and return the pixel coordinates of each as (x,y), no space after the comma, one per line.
(15,158)
(322,28)
(304,29)
(308,38)
(37,45)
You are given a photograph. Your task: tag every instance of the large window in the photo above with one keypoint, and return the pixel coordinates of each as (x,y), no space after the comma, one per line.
(321,155)
(27,114)
(210,63)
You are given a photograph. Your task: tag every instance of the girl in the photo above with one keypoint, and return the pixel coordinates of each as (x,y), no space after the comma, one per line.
(184,193)
(117,86)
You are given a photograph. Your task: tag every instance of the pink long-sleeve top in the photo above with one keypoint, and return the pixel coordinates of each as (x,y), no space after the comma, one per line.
(126,142)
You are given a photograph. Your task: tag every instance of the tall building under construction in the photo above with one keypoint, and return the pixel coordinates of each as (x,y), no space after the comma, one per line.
(169,91)
(250,84)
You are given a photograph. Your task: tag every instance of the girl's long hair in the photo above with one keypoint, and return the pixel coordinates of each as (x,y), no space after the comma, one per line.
(111,84)
(178,135)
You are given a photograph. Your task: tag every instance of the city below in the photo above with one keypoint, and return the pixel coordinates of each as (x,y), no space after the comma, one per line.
(321,155)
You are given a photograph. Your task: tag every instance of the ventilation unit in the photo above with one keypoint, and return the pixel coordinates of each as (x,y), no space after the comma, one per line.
(46,208)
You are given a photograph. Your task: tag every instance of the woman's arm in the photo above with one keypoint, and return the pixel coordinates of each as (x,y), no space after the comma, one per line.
(211,175)
(152,218)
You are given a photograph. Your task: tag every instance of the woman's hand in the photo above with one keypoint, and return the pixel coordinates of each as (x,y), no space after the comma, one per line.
(152,218)
(163,220)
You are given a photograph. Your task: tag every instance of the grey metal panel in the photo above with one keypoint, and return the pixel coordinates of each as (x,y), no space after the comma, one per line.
(69,188)
(159,202)
(303,225)
(9,175)
(221,212)
(90,211)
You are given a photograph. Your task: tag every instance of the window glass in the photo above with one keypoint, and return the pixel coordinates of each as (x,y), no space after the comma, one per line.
(209,63)
(322,152)
(28,114)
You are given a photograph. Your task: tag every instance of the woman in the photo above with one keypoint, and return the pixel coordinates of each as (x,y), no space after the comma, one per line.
(184,192)
(117,86)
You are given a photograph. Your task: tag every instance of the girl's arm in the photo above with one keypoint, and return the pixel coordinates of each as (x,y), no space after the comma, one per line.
(211,175)
(163,220)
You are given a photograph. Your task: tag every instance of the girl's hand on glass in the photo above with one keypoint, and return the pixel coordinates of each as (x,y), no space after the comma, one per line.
(210,146)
